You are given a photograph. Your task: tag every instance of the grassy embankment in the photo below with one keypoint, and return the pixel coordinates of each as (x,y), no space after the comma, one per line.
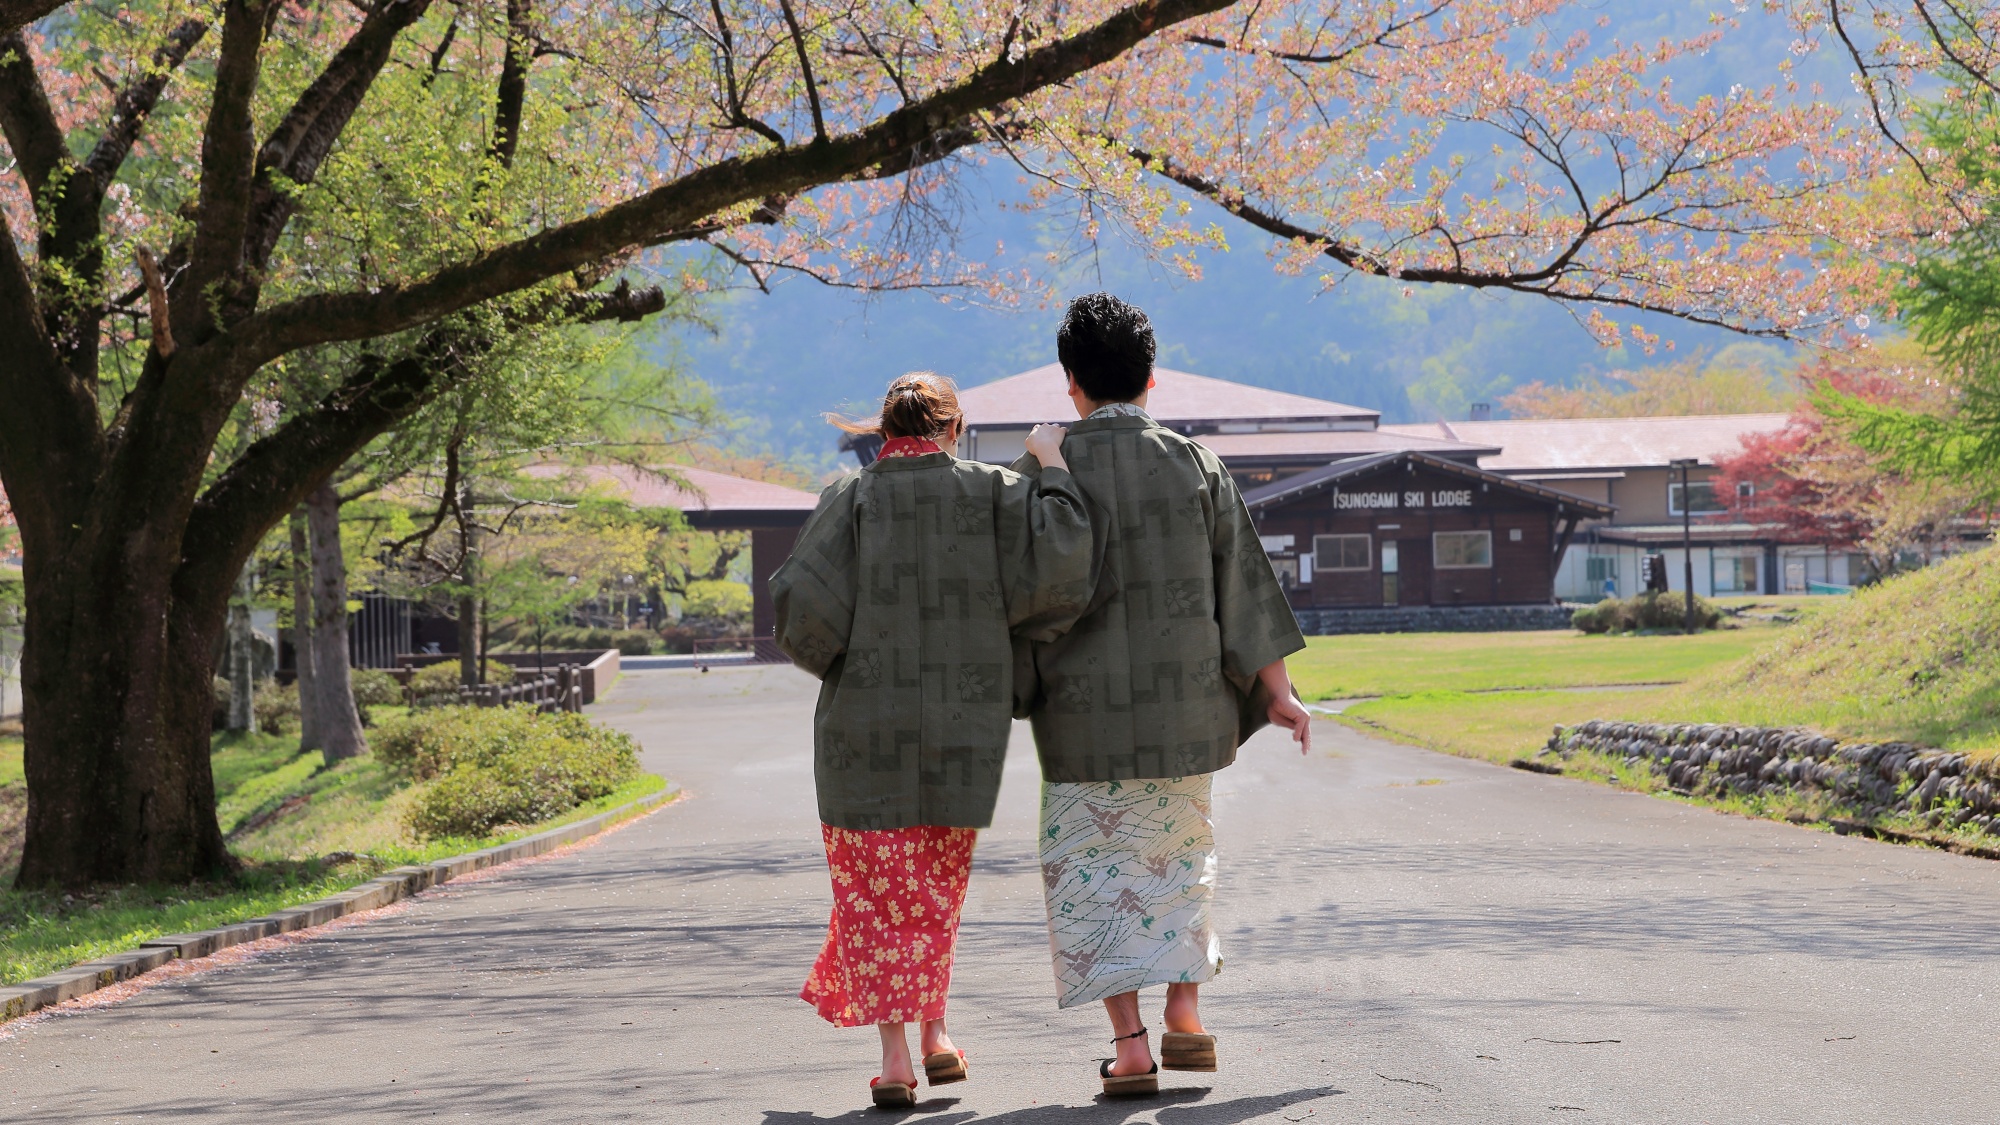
(301,832)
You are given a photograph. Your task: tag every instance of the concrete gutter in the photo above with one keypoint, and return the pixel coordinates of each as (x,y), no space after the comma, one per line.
(394,886)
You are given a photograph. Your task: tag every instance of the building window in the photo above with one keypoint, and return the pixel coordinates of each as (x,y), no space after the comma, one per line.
(1461,550)
(1600,569)
(1701,492)
(1342,552)
(1735,574)
(1287,571)
(1745,489)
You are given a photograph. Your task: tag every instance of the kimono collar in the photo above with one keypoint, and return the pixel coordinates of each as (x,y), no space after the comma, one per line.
(1119,410)
(908,447)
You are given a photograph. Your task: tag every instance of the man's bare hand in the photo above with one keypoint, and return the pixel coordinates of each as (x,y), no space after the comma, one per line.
(1046,442)
(1289,713)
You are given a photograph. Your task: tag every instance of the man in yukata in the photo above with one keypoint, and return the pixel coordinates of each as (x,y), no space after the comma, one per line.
(1179,657)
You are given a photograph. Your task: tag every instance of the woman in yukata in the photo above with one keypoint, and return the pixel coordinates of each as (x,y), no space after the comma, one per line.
(903,596)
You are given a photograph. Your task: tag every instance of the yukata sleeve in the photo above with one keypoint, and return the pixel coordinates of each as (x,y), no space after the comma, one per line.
(1256,619)
(1044,542)
(815,591)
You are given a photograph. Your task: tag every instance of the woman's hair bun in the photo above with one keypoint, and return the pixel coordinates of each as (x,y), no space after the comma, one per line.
(920,404)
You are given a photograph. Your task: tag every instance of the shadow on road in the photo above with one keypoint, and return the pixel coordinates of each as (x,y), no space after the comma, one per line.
(1184,1106)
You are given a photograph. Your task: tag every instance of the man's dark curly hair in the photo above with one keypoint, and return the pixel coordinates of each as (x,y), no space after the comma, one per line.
(1108,346)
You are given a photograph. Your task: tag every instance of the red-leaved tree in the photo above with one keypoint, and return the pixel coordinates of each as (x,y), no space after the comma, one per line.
(1811,483)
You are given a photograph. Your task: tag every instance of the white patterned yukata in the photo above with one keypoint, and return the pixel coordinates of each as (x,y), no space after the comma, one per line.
(1128,871)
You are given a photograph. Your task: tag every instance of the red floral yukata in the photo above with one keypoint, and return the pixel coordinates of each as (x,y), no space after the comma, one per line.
(897,894)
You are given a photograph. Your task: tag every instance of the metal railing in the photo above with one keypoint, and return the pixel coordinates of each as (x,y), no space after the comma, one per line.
(742,650)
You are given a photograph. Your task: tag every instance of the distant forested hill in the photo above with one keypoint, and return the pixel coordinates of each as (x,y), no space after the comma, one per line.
(778,360)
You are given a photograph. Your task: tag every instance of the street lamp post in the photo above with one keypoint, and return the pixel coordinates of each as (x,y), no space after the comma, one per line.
(1687,539)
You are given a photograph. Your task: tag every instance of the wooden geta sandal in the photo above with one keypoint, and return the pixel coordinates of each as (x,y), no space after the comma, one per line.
(892,1095)
(945,1067)
(1187,1050)
(1128,1085)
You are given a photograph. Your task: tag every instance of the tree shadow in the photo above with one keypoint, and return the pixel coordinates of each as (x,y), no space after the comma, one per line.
(1182,1106)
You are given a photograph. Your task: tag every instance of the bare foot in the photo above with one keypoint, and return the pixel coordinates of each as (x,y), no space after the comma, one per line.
(1183,1009)
(936,1041)
(1135,1053)
(896,1054)
(1134,1057)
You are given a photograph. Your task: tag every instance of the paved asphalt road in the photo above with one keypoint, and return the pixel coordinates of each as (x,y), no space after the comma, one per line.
(1409,937)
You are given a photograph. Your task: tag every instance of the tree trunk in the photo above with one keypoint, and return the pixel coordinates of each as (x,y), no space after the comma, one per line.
(333,689)
(470,673)
(117,704)
(302,634)
(242,666)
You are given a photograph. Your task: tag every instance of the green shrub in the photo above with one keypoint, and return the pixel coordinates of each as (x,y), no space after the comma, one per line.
(441,679)
(629,642)
(375,687)
(717,599)
(501,765)
(276,708)
(1646,611)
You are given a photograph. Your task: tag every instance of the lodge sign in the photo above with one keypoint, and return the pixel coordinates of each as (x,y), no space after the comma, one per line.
(1415,498)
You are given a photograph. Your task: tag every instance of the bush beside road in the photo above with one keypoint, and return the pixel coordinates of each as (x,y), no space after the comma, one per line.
(301,832)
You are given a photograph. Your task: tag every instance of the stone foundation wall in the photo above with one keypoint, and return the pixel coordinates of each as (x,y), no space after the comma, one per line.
(1877,778)
(1433,619)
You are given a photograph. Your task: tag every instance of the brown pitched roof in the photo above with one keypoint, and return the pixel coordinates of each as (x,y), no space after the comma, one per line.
(712,500)
(1322,444)
(1531,444)
(1179,398)
(1321,479)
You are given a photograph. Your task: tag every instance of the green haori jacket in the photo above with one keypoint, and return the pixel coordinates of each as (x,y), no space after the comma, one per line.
(902,596)
(1158,678)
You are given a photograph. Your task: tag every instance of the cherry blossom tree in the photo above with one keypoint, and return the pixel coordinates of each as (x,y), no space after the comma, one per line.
(242,239)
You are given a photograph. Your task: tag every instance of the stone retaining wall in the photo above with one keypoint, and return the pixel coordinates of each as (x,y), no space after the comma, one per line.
(1433,619)
(1877,778)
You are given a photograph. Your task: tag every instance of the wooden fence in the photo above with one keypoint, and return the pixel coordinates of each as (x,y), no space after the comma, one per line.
(561,689)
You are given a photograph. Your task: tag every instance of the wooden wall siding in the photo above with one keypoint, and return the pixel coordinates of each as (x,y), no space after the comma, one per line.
(1521,573)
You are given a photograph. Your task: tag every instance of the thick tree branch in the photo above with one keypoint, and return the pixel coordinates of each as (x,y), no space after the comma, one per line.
(623,304)
(48,450)
(228,168)
(17,14)
(274,474)
(300,143)
(698,195)
(136,101)
(26,116)
(512,93)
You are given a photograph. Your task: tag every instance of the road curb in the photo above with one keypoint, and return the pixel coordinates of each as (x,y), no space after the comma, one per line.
(392,886)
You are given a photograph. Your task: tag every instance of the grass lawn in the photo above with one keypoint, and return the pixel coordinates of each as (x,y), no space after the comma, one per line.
(302,833)
(1496,726)
(1400,663)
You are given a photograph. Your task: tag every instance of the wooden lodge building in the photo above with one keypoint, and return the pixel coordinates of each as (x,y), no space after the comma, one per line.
(1475,525)
(1410,531)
